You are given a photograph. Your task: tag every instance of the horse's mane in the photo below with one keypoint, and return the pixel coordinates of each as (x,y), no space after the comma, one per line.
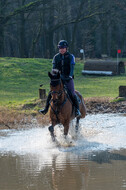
(54,78)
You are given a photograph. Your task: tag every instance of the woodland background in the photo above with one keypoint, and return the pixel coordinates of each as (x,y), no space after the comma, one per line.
(32,28)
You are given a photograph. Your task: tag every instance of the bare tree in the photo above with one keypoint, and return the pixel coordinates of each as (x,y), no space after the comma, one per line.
(33,27)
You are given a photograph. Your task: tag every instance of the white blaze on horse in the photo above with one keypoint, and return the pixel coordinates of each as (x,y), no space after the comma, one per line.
(61,108)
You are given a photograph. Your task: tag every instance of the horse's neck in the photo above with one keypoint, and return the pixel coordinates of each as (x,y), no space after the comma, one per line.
(62,97)
(63,93)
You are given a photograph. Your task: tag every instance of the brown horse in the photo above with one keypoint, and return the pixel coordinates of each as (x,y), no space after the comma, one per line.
(61,109)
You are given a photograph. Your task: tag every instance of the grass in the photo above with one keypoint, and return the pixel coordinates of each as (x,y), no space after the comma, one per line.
(20,80)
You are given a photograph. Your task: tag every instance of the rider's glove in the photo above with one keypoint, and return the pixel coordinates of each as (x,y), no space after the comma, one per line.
(64,78)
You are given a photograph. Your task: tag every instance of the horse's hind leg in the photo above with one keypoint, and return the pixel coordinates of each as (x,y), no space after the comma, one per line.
(51,129)
(77,124)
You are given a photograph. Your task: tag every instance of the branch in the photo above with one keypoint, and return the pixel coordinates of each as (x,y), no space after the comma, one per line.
(76,20)
(23,9)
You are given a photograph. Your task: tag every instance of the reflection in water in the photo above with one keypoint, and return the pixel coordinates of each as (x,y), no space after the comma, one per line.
(29,160)
(64,171)
(22,173)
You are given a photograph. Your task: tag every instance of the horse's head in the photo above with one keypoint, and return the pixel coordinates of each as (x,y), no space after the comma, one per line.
(56,86)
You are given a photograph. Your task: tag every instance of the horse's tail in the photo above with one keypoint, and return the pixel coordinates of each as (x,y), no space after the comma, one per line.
(82,105)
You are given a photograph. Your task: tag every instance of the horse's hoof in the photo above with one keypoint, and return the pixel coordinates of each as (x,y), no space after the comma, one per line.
(53,139)
(65,136)
(51,129)
(76,129)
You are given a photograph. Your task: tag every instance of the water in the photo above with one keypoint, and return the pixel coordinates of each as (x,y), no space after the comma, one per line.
(95,160)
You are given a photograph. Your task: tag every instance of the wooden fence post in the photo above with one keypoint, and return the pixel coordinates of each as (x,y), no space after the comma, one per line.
(42,94)
(122,91)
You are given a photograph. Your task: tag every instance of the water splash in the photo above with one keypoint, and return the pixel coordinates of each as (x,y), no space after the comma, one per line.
(97,132)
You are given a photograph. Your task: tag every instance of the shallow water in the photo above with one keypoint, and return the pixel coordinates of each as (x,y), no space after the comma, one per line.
(96,158)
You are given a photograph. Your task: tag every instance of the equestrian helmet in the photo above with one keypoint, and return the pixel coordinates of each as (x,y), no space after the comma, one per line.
(63,44)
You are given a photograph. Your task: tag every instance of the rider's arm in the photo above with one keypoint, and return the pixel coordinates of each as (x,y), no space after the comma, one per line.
(72,64)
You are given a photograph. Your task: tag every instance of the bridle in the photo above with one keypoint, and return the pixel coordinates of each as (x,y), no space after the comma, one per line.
(56,102)
(55,82)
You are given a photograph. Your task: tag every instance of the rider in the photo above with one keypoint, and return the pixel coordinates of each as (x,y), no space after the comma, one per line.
(65,62)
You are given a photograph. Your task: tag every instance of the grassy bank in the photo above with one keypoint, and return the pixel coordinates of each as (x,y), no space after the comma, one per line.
(20,80)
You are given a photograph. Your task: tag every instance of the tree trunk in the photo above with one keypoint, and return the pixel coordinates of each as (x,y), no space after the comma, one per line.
(36,39)
(2,14)
(1,41)
(22,33)
(49,49)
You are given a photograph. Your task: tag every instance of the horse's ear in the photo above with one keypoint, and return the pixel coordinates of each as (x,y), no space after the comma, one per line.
(49,74)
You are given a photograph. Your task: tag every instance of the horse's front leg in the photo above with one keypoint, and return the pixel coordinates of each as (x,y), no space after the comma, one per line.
(66,128)
(51,130)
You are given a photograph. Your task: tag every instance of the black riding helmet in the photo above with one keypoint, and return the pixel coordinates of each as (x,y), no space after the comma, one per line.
(63,44)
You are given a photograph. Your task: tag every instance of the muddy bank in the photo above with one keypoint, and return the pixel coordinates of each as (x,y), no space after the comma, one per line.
(15,119)
(104,105)
(21,118)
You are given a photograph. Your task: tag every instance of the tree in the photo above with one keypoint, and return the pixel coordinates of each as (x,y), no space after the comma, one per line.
(6,16)
(32,28)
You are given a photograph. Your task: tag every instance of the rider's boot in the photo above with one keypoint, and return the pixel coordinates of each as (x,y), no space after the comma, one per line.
(76,104)
(45,110)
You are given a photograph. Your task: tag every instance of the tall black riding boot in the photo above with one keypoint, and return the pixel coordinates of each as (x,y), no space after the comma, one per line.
(76,104)
(44,111)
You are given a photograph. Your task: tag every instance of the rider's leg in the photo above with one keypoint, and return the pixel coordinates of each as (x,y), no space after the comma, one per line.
(45,110)
(76,104)
(70,86)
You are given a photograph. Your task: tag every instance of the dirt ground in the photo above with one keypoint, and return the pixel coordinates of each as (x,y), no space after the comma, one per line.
(13,119)
(104,105)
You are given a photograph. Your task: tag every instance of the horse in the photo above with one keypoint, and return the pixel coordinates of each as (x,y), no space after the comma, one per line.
(61,108)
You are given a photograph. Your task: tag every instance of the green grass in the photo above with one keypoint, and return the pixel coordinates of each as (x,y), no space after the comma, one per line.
(20,80)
